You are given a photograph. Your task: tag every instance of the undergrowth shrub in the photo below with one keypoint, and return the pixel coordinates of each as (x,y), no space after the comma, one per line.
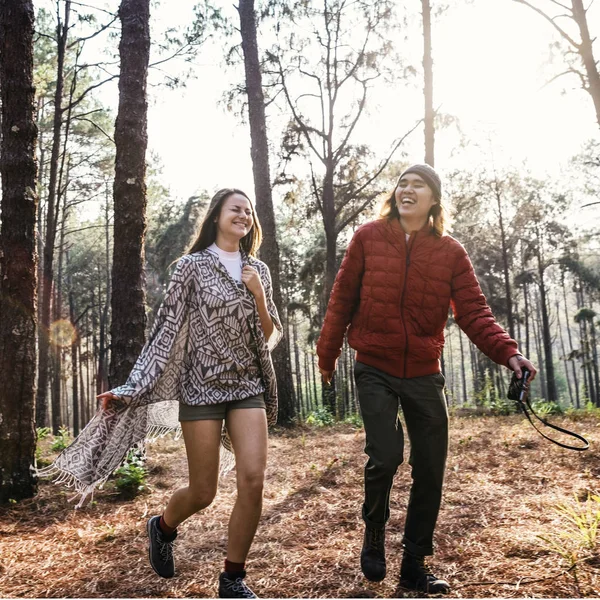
(320,417)
(130,478)
(546,408)
(61,441)
(354,420)
(578,540)
(42,432)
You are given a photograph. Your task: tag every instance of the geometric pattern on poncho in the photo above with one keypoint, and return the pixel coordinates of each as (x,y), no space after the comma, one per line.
(206,346)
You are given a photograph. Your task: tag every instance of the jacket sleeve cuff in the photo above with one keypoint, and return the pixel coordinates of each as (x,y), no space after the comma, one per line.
(327,364)
(510,354)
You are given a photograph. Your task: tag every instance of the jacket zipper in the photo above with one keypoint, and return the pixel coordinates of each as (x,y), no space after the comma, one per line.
(408,250)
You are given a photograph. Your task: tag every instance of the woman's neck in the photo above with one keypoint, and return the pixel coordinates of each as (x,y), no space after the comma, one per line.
(410,225)
(227,244)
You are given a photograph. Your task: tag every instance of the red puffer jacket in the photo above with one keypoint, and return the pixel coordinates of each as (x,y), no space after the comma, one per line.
(395,296)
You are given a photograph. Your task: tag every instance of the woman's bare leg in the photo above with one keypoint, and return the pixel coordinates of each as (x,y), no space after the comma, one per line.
(202,440)
(248,431)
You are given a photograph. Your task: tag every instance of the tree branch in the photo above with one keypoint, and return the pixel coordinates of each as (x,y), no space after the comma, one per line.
(550,20)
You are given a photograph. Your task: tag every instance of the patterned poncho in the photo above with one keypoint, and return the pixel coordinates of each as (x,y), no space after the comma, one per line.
(197,353)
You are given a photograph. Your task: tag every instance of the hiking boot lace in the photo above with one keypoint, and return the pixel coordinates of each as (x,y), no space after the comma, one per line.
(376,539)
(165,549)
(239,587)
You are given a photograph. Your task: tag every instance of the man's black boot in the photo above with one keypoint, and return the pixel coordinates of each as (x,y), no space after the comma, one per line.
(372,556)
(416,575)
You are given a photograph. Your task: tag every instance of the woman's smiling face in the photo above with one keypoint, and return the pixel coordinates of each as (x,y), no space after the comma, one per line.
(414,198)
(235,219)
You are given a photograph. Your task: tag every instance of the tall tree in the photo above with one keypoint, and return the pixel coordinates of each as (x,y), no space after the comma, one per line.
(587,67)
(259,149)
(18,257)
(131,139)
(428,83)
(324,67)
(62,33)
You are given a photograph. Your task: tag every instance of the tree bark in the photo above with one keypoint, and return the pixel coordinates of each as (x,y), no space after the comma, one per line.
(259,149)
(546,335)
(572,361)
(428,84)
(128,280)
(62,31)
(564,352)
(586,52)
(505,262)
(18,256)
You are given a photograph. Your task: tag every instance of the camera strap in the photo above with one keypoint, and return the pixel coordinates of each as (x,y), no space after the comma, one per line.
(525,406)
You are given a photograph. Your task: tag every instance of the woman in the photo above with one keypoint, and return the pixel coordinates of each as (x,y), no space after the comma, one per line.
(399,277)
(209,350)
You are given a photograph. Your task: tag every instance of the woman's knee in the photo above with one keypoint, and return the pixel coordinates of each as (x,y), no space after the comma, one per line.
(251,483)
(202,497)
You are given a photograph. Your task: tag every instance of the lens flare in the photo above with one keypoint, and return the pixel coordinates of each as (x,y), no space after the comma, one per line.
(62,333)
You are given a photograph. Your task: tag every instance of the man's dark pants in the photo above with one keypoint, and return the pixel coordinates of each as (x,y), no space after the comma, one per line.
(424,407)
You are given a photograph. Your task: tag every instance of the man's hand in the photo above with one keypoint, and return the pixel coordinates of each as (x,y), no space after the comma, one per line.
(326,375)
(518,362)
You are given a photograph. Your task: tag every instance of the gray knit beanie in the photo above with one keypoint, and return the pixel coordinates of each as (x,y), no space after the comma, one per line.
(431,178)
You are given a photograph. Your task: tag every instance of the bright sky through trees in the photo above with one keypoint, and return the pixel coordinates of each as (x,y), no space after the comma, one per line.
(491,66)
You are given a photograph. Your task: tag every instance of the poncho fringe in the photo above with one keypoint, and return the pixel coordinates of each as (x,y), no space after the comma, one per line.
(148,405)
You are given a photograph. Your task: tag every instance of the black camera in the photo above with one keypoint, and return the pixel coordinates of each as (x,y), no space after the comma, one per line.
(517,390)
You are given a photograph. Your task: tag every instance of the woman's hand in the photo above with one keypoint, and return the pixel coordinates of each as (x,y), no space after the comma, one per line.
(252,281)
(107,398)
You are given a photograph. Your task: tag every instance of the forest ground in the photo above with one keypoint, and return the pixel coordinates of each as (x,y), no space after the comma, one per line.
(503,485)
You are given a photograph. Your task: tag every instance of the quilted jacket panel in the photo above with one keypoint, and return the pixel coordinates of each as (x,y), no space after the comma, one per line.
(393,296)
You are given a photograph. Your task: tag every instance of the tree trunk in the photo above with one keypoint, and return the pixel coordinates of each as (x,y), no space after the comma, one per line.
(587,55)
(128,280)
(505,263)
(314,378)
(18,257)
(62,30)
(74,357)
(298,373)
(540,357)
(58,415)
(428,84)
(572,361)
(259,149)
(462,369)
(564,352)
(546,335)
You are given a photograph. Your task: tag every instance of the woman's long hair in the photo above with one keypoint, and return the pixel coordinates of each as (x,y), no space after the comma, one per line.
(208,229)
(437,213)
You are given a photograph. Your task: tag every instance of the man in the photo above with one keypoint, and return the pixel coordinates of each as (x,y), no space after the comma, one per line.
(400,275)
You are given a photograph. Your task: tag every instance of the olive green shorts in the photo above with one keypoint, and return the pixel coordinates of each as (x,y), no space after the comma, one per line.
(188,412)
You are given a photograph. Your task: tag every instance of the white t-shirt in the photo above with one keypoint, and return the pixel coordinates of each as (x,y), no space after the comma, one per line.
(232,261)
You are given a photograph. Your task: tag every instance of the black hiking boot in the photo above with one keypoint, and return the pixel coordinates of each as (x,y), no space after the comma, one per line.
(160,549)
(416,575)
(233,586)
(372,556)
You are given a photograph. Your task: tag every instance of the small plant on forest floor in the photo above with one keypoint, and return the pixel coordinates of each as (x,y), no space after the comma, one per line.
(320,417)
(578,540)
(130,478)
(354,420)
(61,441)
(545,408)
(42,432)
